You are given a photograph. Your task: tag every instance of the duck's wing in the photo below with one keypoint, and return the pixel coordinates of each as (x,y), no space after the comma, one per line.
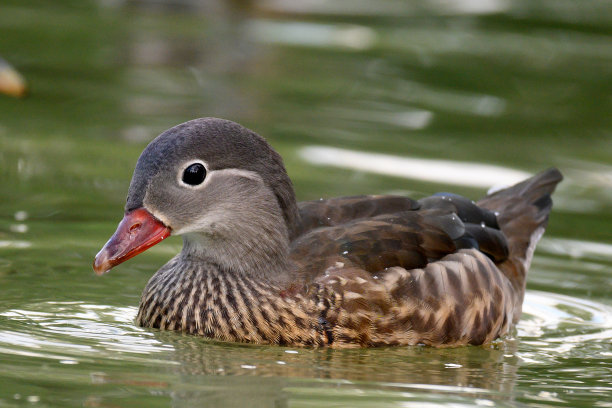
(422,232)
(421,276)
(337,211)
(459,268)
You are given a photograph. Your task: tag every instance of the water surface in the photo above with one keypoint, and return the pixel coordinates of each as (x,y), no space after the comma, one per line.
(399,98)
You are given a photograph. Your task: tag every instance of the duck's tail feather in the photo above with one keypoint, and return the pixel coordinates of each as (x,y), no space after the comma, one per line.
(522,214)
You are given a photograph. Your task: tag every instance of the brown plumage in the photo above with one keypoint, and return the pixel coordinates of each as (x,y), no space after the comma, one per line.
(355,271)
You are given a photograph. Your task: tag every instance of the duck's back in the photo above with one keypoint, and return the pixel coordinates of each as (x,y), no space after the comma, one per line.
(441,271)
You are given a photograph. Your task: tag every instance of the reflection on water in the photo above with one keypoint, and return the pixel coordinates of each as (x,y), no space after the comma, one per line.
(313,34)
(80,334)
(441,95)
(93,331)
(389,8)
(578,249)
(15,244)
(440,171)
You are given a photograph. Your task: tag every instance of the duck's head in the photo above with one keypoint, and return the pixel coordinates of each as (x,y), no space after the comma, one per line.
(219,185)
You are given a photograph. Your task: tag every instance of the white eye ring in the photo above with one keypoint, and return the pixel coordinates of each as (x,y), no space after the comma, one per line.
(193,174)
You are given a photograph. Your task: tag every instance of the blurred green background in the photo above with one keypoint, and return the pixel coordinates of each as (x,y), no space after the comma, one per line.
(516,85)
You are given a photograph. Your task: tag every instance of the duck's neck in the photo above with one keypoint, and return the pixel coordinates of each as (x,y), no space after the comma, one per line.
(232,280)
(256,248)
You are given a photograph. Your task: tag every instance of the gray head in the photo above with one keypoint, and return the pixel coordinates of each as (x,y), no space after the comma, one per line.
(218,144)
(223,188)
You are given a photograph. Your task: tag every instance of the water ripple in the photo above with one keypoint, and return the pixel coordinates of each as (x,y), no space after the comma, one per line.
(77,331)
(74,331)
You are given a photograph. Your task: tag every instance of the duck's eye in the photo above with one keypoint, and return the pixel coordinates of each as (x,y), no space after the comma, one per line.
(194,174)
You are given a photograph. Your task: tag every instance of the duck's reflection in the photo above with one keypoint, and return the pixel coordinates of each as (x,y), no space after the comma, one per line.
(242,375)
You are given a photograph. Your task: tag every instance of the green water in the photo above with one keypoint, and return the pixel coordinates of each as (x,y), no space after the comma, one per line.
(519,85)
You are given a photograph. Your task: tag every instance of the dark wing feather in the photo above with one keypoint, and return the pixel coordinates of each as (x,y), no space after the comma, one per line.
(481,229)
(337,211)
(409,239)
(377,232)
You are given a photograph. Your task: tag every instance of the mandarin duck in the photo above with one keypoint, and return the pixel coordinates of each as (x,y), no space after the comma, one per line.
(375,270)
